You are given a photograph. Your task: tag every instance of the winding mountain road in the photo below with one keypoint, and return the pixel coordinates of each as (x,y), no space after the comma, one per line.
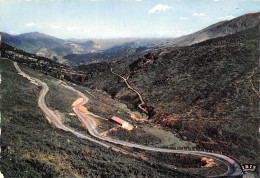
(50,113)
(234,168)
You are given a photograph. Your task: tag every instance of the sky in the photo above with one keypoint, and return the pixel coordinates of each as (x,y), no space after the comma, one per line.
(83,19)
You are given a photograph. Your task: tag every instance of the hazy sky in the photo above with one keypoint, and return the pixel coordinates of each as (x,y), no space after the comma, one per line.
(118,18)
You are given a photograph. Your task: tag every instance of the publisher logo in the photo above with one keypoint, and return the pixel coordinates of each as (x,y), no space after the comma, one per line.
(249,168)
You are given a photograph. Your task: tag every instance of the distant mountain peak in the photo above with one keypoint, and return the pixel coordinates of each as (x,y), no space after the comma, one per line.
(38,35)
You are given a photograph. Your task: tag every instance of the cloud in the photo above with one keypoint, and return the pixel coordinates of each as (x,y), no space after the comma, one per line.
(72,28)
(158,8)
(199,14)
(217,0)
(183,18)
(28,0)
(31,24)
(139,0)
(228,17)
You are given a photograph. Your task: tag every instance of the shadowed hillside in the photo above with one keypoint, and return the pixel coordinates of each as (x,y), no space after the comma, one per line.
(174,80)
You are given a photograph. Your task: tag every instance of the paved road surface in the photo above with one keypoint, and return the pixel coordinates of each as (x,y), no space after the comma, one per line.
(50,113)
(233,167)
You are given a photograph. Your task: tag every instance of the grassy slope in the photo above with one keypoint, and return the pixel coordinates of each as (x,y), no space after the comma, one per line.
(31,147)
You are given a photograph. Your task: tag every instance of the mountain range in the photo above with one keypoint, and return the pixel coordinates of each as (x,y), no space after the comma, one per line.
(203,87)
(62,50)
(77,52)
(152,71)
(48,46)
